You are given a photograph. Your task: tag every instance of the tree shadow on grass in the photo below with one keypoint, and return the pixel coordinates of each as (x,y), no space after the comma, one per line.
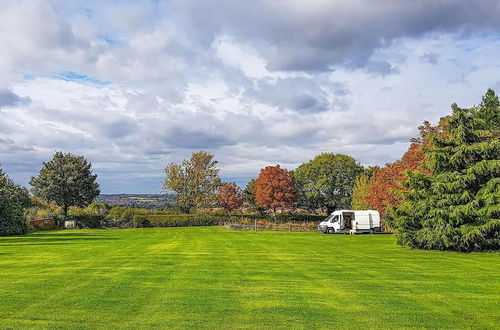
(55,239)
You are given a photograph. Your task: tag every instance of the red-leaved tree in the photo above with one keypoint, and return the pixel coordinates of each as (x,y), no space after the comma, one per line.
(387,181)
(274,188)
(230,196)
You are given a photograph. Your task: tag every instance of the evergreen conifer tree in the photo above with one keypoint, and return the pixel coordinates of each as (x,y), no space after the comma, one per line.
(457,206)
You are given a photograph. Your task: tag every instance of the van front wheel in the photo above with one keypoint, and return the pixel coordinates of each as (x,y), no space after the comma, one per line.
(330,230)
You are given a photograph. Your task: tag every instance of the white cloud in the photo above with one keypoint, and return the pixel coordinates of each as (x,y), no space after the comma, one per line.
(133,87)
(242,57)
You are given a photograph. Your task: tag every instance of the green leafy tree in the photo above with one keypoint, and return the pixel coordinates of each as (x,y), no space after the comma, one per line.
(66,180)
(361,188)
(359,191)
(116,214)
(14,200)
(457,206)
(196,181)
(326,182)
(249,194)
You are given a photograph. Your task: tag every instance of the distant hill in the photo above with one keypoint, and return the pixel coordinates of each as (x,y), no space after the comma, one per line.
(148,201)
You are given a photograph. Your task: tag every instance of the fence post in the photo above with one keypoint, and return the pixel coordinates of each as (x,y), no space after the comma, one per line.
(255,224)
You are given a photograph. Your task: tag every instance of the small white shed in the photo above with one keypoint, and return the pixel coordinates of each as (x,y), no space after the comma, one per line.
(70,224)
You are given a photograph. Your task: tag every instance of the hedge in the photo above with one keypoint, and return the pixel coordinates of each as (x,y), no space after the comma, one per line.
(208,219)
(177,220)
(299,217)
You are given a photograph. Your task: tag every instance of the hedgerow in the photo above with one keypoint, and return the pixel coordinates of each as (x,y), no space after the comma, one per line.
(213,219)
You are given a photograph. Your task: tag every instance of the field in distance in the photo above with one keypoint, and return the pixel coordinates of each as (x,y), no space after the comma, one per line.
(148,201)
(209,277)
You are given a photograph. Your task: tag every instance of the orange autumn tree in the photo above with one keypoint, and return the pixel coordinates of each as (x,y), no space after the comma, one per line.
(274,188)
(383,187)
(230,196)
(387,180)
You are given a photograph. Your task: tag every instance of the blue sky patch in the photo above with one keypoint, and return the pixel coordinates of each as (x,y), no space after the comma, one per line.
(80,78)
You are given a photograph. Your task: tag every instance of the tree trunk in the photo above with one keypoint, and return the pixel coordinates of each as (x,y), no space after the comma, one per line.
(65,212)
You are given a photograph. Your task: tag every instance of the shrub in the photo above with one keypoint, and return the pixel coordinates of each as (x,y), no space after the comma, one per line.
(42,224)
(42,209)
(13,202)
(177,220)
(214,219)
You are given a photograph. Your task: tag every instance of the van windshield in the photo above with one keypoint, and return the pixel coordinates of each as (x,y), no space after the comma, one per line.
(332,218)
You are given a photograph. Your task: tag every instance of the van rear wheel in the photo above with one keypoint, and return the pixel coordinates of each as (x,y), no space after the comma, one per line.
(330,230)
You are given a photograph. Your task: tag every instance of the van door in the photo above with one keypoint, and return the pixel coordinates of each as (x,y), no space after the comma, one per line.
(371,220)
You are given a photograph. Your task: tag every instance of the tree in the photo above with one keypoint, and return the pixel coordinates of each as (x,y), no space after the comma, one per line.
(249,197)
(249,194)
(382,189)
(326,182)
(66,180)
(359,192)
(387,183)
(361,188)
(14,200)
(457,205)
(196,181)
(274,188)
(230,196)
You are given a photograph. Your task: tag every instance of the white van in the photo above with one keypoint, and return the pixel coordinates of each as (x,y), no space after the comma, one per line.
(351,221)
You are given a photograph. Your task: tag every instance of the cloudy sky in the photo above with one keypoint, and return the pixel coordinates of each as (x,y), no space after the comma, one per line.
(134,85)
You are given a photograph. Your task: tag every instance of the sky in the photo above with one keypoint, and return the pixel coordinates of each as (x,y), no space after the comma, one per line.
(135,85)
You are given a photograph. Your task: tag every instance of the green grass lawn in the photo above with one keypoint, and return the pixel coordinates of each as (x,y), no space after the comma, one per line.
(209,277)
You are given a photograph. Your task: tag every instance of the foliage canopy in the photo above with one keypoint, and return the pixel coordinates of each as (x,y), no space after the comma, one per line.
(326,182)
(14,200)
(230,196)
(359,192)
(66,180)
(274,188)
(196,181)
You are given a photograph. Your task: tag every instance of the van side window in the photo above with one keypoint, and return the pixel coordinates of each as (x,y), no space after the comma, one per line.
(335,218)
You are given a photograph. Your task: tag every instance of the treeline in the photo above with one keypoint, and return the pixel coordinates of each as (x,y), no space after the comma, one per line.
(442,194)
(320,185)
